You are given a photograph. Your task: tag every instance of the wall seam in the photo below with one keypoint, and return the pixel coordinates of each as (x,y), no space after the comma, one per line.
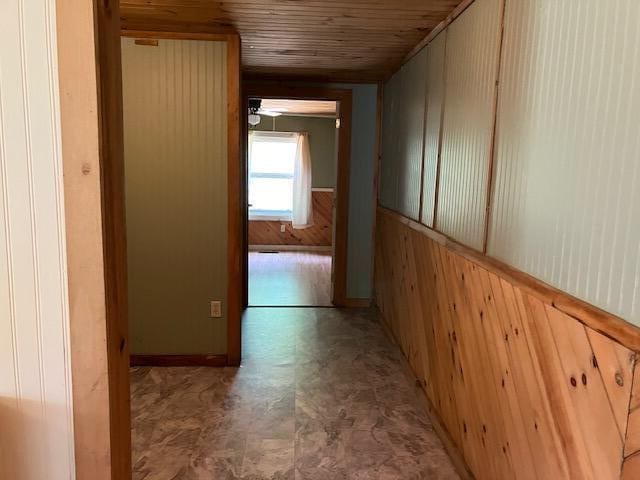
(493,150)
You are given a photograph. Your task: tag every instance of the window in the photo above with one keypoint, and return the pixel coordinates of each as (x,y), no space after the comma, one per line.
(271,167)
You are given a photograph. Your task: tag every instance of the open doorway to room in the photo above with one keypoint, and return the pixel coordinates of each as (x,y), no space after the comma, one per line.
(292,158)
(296,191)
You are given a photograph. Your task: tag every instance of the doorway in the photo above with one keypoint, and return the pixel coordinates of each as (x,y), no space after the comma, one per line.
(297,146)
(292,158)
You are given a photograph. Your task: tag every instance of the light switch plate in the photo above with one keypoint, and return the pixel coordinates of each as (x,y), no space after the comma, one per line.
(283,228)
(216,309)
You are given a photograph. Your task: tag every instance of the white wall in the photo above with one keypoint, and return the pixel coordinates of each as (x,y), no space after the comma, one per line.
(566,207)
(36,431)
(467,128)
(435,52)
(403,137)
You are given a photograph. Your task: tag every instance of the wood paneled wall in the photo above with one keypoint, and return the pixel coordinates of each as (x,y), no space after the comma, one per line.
(267,232)
(524,389)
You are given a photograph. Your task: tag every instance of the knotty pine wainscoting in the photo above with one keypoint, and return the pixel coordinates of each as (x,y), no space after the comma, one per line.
(527,382)
(267,233)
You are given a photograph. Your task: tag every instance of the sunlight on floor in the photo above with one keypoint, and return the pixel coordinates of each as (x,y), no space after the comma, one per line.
(290,279)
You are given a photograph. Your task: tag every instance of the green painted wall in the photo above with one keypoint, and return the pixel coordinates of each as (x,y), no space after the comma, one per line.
(175,109)
(322,143)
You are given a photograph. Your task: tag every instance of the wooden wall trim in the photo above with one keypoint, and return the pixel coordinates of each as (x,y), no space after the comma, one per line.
(222,35)
(492,148)
(376,175)
(341,220)
(436,195)
(178,361)
(609,325)
(235,232)
(357,302)
(114,233)
(91,124)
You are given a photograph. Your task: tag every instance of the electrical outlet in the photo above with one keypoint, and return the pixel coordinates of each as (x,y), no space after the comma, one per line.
(283,228)
(216,309)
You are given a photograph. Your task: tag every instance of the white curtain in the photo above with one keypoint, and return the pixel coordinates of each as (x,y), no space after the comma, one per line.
(302,211)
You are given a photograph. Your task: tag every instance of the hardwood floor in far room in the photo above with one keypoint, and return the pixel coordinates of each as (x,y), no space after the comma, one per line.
(290,279)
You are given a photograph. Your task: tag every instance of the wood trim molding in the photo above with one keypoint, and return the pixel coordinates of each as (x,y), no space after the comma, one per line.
(235,228)
(114,233)
(341,220)
(178,361)
(224,35)
(92,133)
(270,90)
(376,177)
(358,302)
(289,248)
(593,317)
(436,195)
(492,149)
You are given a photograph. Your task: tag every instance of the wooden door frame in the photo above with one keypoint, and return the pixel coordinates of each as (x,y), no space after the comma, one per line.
(90,84)
(234,179)
(89,75)
(341,220)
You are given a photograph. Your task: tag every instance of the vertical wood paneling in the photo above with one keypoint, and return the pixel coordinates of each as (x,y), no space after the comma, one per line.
(267,232)
(175,110)
(525,391)
(36,433)
(403,135)
(435,52)
(567,198)
(471,67)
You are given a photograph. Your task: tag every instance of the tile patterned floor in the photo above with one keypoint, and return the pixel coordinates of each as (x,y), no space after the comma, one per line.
(322,394)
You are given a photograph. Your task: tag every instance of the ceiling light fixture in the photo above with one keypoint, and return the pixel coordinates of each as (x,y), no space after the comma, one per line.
(254,106)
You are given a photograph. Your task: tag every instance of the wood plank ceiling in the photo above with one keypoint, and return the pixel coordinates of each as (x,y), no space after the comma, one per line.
(337,40)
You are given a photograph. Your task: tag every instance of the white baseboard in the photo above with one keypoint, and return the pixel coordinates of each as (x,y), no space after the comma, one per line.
(288,248)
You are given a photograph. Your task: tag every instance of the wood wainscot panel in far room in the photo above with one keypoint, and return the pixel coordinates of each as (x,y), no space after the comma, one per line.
(523,389)
(267,232)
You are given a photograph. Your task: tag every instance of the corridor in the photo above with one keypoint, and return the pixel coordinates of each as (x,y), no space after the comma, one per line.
(319,395)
